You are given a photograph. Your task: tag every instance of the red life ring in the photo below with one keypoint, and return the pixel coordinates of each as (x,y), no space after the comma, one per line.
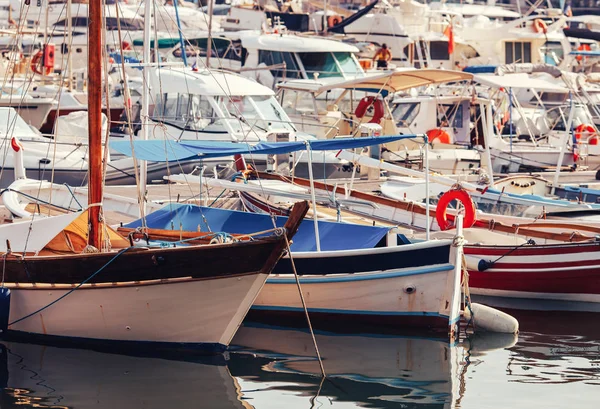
(462,196)
(364,105)
(539,26)
(583,47)
(440,135)
(587,129)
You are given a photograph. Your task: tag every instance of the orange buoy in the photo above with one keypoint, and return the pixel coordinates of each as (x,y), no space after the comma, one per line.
(583,47)
(462,196)
(583,129)
(438,135)
(539,26)
(333,21)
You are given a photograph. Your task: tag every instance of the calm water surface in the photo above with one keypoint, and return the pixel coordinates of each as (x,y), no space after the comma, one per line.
(554,363)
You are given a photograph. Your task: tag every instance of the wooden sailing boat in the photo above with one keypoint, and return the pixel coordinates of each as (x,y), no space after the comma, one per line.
(73,286)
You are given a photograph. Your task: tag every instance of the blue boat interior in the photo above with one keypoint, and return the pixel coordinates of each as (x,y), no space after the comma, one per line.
(333,235)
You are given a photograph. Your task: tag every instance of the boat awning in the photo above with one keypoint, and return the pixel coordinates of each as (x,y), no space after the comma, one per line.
(333,235)
(520,81)
(394,81)
(170,151)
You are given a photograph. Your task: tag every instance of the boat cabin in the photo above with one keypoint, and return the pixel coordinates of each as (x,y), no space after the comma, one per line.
(270,58)
(214,105)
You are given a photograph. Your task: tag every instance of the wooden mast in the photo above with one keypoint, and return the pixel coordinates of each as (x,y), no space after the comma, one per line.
(94,89)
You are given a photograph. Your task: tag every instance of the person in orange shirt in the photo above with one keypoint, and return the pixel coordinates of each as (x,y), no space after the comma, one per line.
(383,56)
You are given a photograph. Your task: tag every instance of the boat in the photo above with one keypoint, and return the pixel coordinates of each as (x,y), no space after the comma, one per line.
(355,275)
(71,277)
(562,272)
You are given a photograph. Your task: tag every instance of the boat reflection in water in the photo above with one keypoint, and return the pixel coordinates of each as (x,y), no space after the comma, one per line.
(269,367)
(49,377)
(275,364)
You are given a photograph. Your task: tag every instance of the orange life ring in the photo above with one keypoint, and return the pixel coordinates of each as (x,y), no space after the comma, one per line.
(539,26)
(438,134)
(583,128)
(462,196)
(583,47)
(364,105)
(36,63)
(333,20)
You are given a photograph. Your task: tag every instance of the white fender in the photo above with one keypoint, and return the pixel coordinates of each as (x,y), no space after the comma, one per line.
(493,320)
(18,154)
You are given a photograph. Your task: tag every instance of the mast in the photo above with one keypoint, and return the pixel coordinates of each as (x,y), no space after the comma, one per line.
(148,7)
(95,121)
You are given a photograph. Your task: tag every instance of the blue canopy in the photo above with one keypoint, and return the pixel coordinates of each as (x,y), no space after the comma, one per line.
(334,236)
(169,150)
(586,53)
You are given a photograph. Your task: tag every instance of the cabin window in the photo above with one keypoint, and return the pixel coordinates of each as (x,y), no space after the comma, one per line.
(272,112)
(552,52)
(438,50)
(450,116)
(405,113)
(297,103)
(187,111)
(517,52)
(348,63)
(111,23)
(322,63)
(291,69)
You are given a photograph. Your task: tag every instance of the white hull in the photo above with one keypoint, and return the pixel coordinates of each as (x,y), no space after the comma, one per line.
(163,311)
(422,296)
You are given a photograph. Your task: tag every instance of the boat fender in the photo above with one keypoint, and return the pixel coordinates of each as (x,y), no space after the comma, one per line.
(4,308)
(492,320)
(462,196)
(540,26)
(364,105)
(484,265)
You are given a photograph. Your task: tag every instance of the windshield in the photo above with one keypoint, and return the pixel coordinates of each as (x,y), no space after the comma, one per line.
(328,64)
(405,113)
(552,52)
(262,112)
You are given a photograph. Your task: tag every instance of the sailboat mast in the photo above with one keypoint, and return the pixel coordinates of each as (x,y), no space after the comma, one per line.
(95,120)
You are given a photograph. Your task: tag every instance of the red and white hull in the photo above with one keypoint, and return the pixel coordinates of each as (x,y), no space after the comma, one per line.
(568,272)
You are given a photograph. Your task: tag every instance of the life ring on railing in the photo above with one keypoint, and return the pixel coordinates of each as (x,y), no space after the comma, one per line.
(539,26)
(333,20)
(364,105)
(438,134)
(36,63)
(583,47)
(587,129)
(462,196)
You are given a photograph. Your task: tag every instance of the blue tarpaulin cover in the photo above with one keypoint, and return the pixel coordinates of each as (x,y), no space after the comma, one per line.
(334,236)
(481,69)
(169,150)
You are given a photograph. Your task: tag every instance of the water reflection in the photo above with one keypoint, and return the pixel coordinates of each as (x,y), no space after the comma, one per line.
(557,355)
(368,371)
(50,377)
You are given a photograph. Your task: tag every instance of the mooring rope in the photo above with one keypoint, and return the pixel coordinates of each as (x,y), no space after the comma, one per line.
(312,333)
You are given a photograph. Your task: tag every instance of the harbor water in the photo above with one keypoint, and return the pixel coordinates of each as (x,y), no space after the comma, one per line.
(553,363)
